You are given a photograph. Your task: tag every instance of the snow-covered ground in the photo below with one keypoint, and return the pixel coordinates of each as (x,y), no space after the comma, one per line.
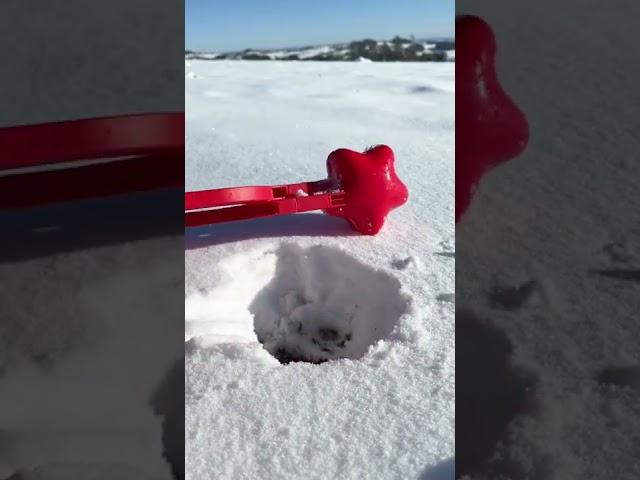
(78,366)
(540,226)
(383,407)
(86,337)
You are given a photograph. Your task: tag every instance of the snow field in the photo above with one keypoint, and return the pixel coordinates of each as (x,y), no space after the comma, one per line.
(312,351)
(91,359)
(563,218)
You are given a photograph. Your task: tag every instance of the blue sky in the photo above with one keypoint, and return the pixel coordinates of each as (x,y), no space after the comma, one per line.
(217,25)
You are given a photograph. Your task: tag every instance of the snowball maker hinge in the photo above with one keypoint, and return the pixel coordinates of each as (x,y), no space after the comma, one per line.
(241,203)
(361,187)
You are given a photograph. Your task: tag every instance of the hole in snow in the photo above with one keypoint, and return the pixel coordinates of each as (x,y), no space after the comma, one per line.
(323,304)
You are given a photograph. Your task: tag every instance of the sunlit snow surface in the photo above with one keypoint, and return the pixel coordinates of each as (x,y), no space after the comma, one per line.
(379,308)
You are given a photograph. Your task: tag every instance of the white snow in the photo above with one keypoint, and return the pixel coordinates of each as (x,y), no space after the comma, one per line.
(312,52)
(90,412)
(302,53)
(73,386)
(307,286)
(322,304)
(567,205)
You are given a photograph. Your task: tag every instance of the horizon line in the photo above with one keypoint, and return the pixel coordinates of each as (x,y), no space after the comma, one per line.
(417,37)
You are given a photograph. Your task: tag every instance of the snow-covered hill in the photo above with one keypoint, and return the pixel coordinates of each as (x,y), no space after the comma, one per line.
(397,49)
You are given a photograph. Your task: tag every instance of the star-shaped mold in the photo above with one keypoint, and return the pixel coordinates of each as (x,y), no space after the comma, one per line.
(371,186)
(490,129)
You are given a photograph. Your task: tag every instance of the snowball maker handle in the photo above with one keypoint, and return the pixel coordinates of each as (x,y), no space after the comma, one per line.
(89,158)
(241,203)
(361,187)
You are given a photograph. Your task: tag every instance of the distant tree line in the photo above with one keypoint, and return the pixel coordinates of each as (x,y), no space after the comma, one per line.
(398,49)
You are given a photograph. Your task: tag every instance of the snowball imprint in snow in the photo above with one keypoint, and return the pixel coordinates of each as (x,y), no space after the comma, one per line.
(322,304)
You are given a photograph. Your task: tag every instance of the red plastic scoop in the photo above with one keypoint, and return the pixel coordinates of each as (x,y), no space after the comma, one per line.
(361,187)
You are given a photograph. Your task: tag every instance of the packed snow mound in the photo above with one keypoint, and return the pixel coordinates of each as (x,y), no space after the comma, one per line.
(222,313)
(323,305)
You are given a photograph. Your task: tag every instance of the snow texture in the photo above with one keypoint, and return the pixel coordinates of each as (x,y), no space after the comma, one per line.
(541,225)
(312,351)
(97,376)
(324,305)
(78,370)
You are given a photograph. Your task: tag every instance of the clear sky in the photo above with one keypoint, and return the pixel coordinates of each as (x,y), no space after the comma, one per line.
(218,25)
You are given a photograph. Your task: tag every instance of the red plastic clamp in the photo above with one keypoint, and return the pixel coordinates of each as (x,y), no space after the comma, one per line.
(72,160)
(361,187)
